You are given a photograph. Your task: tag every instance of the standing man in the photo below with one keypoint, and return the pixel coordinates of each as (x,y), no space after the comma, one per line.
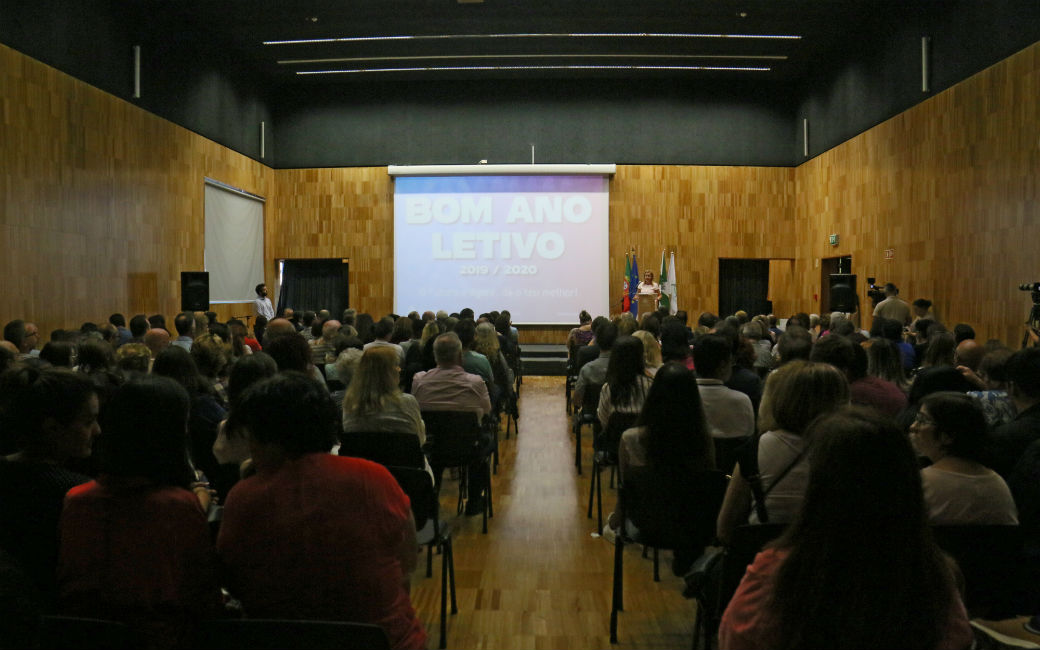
(263,303)
(893,307)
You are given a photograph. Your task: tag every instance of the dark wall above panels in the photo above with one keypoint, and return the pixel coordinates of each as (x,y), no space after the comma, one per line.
(568,121)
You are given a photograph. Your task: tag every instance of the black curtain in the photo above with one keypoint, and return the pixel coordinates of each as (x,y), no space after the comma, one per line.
(314,285)
(744,284)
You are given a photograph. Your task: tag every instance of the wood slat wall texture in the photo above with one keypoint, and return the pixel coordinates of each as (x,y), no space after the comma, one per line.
(103,207)
(951,186)
(102,202)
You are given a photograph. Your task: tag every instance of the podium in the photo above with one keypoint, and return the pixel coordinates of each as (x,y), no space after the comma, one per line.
(646,303)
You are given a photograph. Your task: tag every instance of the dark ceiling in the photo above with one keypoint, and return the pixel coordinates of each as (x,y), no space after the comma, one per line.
(493,39)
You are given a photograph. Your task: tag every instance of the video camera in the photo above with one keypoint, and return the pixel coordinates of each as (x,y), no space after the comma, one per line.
(874,292)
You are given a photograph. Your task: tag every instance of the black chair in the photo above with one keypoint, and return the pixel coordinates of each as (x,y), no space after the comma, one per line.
(456,439)
(59,632)
(606,445)
(668,512)
(276,634)
(432,532)
(747,541)
(385,448)
(995,570)
(586,416)
(727,452)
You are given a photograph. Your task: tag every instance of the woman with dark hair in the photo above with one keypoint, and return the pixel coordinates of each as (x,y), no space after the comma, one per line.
(950,430)
(675,346)
(60,354)
(671,437)
(135,545)
(49,418)
(364,326)
(769,481)
(231,447)
(580,335)
(338,538)
(97,360)
(205,414)
(941,350)
(858,567)
(212,354)
(627,382)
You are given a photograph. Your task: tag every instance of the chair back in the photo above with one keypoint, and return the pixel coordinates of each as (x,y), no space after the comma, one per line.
(385,448)
(674,511)
(418,485)
(452,437)
(87,633)
(590,399)
(747,541)
(992,561)
(608,441)
(275,634)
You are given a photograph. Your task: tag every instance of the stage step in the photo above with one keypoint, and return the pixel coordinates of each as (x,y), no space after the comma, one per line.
(541,359)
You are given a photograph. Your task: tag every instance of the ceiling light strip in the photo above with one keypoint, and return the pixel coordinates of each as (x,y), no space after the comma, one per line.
(369,59)
(431,37)
(535,67)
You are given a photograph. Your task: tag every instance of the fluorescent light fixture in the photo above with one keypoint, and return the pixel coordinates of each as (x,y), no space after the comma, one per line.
(369,59)
(432,37)
(536,67)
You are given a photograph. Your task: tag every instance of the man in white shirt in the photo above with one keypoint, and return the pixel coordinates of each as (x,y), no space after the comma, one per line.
(729,413)
(263,303)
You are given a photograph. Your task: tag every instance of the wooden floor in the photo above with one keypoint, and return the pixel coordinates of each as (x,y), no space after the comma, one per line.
(539,579)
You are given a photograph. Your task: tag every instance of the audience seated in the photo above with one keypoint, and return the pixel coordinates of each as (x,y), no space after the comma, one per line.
(485,343)
(858,567)
(232,447)
(594,373)
(374,401)
(205,414)
(864,390)
(651,351)
(1011,440)
(135,545)
(992,381)
(312,535)
(580,335)
(49,417)
(448,387)
(728,412)
(627,381)
(675,345)
(796,394)
(474,362)
(671,437)
(950,431)
(382,332)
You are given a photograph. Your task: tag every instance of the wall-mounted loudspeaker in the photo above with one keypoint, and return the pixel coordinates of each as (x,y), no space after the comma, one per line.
(843,292)
(194,291)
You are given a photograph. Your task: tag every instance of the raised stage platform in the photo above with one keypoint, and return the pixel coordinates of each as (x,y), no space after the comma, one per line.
(544,359)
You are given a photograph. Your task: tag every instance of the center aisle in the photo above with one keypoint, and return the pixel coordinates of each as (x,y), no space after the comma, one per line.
(538,579)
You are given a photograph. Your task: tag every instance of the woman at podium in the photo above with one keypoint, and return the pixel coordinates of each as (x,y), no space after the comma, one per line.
(648,291)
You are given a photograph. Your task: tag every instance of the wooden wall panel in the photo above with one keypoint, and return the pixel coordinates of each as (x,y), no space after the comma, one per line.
(345,213)
(951,186)
(102,202)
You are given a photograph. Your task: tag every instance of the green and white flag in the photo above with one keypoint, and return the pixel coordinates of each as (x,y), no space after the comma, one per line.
(672,290)
(663,280)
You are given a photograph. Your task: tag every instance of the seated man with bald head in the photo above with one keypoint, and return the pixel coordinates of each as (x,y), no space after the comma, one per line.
(157,340)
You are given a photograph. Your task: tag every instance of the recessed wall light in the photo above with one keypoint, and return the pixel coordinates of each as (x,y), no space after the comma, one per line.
(312,19)
(535,67)
(431,37)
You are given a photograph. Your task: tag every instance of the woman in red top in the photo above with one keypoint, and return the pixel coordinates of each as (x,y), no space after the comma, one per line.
(858,568)
(311,535)
(135,545)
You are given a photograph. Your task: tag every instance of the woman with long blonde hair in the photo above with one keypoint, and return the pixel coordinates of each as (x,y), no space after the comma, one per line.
(651,351)
(374,401)
(486,342)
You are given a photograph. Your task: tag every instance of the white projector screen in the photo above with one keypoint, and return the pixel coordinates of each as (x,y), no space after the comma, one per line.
(535,245)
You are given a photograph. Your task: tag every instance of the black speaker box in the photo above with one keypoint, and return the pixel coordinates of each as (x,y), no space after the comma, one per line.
(194,291)
(843,292)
